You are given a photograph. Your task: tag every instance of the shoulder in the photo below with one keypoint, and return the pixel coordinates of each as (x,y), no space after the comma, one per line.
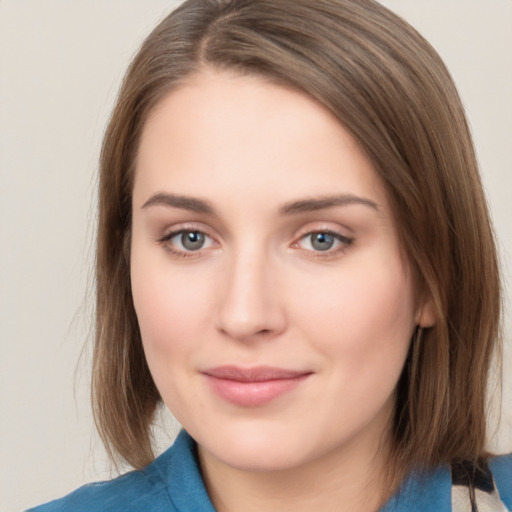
(132,491)
(171,483)
(423,491)
(501,468)
(129,493)
(446,488)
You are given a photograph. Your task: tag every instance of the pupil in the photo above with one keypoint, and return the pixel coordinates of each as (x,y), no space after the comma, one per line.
(322,241)
(192,241)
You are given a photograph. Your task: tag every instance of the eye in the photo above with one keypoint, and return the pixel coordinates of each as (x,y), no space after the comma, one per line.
(321,241)
(187,241)
(324,241)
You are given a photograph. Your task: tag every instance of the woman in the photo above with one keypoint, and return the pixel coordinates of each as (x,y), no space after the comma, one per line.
(295,256)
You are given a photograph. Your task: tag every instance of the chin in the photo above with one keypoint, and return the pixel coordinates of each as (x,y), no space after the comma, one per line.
(256,448)
(257,458)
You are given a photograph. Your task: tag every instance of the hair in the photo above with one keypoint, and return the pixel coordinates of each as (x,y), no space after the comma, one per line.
(391,91)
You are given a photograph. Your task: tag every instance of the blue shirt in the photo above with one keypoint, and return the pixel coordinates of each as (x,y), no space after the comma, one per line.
(173,483)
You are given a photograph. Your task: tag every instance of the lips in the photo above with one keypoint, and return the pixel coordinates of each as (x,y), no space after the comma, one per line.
(251,387)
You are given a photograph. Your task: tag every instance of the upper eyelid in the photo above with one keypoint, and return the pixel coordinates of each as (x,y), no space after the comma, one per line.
(308,229)
(341,237)
(181,231)
(324,230)
(186,226)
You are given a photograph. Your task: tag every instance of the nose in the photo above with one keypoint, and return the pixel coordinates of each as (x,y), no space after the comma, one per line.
(249,304)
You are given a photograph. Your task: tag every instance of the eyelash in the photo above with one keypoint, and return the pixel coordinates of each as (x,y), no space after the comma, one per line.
(178,252)
(344,243)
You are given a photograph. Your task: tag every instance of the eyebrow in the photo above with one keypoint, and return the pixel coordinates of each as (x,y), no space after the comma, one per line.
(177,201)
(196,205)
(321,203)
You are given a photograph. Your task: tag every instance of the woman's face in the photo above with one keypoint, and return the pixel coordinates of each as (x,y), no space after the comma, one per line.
(274,305)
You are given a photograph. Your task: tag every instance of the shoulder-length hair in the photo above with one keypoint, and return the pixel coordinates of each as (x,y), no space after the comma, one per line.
(391,91)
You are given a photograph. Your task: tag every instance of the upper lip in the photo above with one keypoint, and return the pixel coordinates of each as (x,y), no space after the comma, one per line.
(254,374)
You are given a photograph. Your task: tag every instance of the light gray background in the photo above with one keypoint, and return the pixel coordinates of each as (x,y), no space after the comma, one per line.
(61,62)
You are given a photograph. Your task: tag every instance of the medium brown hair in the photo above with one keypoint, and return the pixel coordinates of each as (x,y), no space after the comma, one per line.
(391,91)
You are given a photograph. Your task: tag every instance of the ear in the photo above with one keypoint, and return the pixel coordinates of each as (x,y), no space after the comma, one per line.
(426,315)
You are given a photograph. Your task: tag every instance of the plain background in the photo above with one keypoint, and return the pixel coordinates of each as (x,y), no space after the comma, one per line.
(61,62)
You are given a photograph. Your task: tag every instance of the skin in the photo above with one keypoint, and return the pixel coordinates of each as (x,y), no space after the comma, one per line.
(259,292)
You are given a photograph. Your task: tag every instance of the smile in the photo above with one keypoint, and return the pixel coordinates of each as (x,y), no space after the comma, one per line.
(251,387)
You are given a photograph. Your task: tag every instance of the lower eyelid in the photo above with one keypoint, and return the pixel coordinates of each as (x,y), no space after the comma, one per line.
(175,248)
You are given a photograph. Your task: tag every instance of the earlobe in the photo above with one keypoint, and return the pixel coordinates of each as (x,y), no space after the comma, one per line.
(426,316)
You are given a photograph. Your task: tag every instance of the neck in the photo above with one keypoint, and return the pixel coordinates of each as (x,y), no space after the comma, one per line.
(346,479)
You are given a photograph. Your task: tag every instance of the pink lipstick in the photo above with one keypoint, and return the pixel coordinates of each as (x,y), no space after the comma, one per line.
(250,387)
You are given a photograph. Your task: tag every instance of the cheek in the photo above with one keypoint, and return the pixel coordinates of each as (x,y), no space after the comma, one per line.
(169,310)
(361,319)
(169,314)
(158,309)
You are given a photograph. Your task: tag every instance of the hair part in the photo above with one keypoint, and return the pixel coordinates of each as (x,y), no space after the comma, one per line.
(392,92)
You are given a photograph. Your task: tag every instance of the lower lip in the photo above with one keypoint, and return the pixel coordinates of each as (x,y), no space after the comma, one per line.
(252,394)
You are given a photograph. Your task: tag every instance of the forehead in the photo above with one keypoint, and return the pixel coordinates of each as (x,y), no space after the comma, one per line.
(229,134)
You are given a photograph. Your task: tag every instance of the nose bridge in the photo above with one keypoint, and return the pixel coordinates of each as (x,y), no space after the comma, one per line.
(249,302)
